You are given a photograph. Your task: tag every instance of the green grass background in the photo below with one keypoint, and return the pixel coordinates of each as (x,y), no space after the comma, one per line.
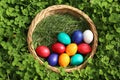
(16,62)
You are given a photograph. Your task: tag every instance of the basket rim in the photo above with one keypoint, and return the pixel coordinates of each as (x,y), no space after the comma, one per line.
(63,9)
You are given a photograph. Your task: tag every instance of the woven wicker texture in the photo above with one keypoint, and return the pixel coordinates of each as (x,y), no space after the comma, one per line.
(61,9)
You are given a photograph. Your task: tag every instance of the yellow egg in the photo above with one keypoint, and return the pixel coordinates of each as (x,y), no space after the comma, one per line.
(71,49)
(64,60)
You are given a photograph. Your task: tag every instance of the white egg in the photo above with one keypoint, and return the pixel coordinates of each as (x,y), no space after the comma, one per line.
(88,36)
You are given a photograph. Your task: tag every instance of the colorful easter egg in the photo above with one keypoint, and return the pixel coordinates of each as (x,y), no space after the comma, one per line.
(77,37)
(58,48)
(84,48)
(71,49)
(64,38)
(53,59)
(77,59)
(64,60)
(43,51)
(88,36)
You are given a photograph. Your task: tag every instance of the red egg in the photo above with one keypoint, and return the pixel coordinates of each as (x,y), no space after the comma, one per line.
(43,51)
(58,48)
(84,48)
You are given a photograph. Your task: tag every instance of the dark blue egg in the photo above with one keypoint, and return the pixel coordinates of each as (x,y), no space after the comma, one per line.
(53,59)
(77,37)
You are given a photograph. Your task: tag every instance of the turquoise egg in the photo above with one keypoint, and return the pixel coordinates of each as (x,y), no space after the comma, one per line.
(64,38)
(77,59)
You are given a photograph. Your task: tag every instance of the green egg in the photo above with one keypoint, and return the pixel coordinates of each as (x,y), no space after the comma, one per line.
(64,38)
(77,59)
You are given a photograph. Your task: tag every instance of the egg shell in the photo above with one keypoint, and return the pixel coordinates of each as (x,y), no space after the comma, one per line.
(88,36)
(77,59)
(53,59)
(64,60)
(64,38)
(71,49)
(84,48)
(58,48)
(43,51)
(77,37)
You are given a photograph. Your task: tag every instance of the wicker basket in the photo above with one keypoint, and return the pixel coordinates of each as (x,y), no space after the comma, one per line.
(61,9)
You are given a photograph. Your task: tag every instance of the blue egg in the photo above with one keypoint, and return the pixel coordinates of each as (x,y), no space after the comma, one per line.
(64,38)
(77,59)
(77,37)
(53,59)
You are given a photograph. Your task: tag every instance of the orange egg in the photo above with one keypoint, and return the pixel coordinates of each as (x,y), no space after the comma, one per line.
(64,60)
(71,49)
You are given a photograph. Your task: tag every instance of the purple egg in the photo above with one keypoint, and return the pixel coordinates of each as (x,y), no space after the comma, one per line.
(53,59)
(77,37)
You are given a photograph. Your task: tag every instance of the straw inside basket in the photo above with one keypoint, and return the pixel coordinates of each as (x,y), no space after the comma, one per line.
(46,31)
(43,32)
